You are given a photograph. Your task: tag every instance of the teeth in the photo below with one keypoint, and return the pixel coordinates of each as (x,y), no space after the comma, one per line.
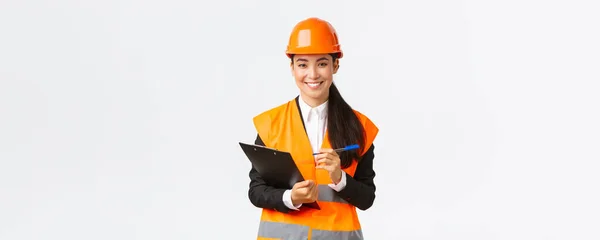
(313,84)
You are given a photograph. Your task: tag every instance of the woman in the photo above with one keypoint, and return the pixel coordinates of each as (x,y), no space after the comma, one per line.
(316,121)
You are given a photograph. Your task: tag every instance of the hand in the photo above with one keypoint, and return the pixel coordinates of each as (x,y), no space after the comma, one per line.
(304,192)
(330,161)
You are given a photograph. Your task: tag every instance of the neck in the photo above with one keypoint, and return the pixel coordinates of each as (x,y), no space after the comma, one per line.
(313,102)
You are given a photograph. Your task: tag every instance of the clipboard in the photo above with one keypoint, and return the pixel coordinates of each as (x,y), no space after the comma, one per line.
(276,167)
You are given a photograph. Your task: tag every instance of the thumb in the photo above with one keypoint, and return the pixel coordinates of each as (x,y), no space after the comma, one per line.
(310,182)
(304,183)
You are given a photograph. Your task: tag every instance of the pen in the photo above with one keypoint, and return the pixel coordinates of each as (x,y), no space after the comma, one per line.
(349,147)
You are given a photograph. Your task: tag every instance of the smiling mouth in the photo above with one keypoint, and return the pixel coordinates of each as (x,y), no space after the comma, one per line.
(313,85)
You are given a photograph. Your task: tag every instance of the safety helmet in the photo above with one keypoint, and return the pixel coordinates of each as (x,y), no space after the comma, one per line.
(313,36)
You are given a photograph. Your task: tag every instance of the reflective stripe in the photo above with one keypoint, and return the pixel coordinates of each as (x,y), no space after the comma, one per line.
(286,231)
(336,235)
(282,231)
(327,194)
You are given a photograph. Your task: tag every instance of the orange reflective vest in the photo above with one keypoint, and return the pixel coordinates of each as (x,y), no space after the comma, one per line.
(282,128)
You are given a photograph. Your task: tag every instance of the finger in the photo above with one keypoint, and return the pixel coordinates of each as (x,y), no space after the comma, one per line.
(326,168)
(305,193)
(325,161)
(326,150)
(303,184)
(326,156)
(309,188)
(310,183)
(322,165)
(331,152)
(330,160)
(321,156)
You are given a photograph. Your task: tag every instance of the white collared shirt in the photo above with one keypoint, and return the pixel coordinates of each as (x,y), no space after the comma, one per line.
(315,122)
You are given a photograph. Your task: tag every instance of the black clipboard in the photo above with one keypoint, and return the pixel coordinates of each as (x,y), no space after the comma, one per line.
(276,167)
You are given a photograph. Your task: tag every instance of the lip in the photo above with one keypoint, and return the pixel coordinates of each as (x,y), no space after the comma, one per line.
(318,85)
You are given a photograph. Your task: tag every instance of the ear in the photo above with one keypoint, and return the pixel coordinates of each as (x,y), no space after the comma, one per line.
(336,66)
(292,68)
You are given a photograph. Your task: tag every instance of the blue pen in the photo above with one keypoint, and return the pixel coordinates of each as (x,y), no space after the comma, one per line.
(349,147)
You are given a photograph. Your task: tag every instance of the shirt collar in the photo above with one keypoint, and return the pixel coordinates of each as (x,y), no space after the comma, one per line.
(307,110)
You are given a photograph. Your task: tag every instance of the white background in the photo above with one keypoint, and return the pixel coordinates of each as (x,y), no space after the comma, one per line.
(121,119)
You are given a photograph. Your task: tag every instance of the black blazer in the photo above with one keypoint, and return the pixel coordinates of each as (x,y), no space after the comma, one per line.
(359,190)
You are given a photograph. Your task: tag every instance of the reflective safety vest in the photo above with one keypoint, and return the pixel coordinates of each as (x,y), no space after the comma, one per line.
(282,128)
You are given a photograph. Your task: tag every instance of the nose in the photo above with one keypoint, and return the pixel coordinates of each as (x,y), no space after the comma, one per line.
(313,73)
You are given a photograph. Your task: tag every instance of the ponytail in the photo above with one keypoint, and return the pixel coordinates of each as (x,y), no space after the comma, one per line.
(344,127)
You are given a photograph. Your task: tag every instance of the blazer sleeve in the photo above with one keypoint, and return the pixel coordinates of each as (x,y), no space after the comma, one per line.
(360,189)
(262,195)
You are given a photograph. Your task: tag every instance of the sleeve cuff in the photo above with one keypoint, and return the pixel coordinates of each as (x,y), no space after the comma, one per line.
(340,186)
(287,200)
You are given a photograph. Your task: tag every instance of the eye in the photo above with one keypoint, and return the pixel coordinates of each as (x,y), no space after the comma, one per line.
(302,65)
(323,64)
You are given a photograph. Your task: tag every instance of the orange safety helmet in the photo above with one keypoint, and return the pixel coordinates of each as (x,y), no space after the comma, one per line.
(313,36)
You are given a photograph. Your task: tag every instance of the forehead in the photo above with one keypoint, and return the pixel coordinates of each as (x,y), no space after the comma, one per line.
(312,57)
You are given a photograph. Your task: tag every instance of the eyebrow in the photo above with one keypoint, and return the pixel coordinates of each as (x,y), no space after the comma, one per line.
(304,60)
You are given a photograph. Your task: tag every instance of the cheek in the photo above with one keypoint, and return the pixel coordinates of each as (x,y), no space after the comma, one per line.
(298,75)
(326,73)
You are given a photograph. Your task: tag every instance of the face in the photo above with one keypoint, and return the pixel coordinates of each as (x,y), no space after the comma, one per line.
(314,75)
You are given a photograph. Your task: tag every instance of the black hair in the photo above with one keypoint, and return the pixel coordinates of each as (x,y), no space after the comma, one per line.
(343,126)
